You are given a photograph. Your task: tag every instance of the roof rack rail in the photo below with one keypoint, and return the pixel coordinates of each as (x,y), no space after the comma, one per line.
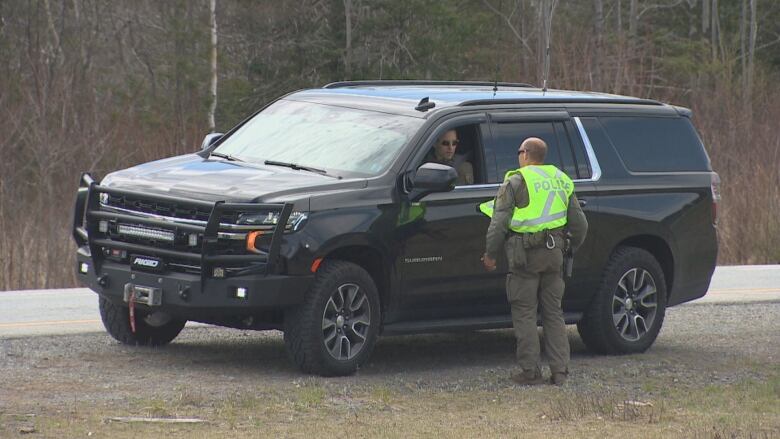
(573,100)
(391,83)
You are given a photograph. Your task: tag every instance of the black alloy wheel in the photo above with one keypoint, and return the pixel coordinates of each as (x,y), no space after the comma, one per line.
(334,331)
(346,321)
(628,310)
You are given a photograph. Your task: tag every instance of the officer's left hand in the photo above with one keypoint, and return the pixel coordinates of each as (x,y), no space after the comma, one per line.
(488,262)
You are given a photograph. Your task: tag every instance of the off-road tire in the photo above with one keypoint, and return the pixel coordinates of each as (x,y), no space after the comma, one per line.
(116,320)
(304,329)
(597,327)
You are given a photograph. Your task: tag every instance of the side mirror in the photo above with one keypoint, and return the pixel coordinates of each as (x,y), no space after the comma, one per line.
(210,139)
(430,178)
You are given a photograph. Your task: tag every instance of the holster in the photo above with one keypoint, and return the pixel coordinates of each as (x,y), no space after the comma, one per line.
(568,256)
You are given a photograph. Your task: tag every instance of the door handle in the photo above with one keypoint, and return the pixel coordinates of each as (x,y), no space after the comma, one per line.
(582,202)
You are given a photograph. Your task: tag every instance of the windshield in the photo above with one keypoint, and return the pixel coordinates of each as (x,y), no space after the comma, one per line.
(322,136)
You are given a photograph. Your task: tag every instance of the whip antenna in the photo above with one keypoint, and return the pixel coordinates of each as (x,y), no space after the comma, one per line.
(548,36)
(498,58)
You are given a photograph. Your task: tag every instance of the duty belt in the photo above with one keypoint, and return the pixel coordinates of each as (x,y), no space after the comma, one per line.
(545,238)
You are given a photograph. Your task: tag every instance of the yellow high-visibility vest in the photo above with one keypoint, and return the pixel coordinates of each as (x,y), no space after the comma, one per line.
(549,191)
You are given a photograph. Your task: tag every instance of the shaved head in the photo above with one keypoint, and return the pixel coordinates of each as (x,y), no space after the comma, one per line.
(536,150)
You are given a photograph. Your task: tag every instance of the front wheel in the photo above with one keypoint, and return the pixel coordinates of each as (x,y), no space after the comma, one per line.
(154,329)
(334,331)
(628,310)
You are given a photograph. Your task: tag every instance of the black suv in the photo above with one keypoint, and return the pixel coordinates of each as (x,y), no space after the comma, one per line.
(319,216)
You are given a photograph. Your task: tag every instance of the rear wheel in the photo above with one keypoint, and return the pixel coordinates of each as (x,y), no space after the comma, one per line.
(334,331)
(628,310)
(151,329)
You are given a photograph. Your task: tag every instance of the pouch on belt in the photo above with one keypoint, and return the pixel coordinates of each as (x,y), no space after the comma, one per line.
(515,252)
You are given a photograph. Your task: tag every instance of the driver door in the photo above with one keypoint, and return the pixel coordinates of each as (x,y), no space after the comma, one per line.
(442,238)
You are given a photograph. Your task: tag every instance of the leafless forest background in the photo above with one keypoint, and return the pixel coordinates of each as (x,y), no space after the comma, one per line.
(97,85)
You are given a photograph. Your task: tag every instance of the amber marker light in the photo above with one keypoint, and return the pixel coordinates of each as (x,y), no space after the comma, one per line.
(251,237)
(316,265)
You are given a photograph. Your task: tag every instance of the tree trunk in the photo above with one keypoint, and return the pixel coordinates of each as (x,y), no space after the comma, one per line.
(714,29)
(705,17)
(751,49)
(633,20)
(599,28)
(348,51)
(743,45)
(620,59)
(213,106)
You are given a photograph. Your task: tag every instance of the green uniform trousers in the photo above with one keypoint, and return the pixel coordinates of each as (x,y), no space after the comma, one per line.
(538,282)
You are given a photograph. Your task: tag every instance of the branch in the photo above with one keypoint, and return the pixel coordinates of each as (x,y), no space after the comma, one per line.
(763,46)
(508,23)
(651,7)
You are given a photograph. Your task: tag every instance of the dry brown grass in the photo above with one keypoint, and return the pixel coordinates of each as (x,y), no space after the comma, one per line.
(746,410)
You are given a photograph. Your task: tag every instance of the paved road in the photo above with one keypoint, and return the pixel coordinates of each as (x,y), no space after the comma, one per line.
(74,310)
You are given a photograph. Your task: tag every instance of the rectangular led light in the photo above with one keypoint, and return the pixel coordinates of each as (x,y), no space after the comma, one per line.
(103,226)
(193,239)
(241,293)
(145,232)
(83,268)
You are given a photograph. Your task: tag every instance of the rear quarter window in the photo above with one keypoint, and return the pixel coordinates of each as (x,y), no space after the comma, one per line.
(656,144)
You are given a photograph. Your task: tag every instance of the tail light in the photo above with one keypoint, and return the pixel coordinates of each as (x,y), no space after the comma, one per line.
(715,187)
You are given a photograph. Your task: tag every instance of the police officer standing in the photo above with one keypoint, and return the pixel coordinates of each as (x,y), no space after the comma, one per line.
(532,211)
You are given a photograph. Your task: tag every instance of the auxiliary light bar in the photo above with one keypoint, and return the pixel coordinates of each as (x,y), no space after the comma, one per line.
(144,232)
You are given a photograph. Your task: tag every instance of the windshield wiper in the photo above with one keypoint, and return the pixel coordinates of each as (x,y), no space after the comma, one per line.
(298,167)
(226,156)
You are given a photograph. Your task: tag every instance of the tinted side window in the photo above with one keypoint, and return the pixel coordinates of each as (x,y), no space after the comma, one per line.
(648,144)
(507,137)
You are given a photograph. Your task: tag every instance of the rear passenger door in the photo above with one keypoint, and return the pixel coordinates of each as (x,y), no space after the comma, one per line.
(567,151)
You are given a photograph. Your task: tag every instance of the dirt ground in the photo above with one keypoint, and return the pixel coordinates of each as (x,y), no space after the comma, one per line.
(713,372)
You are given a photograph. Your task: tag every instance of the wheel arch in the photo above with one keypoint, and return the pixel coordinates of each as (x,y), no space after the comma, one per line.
(370,259)
(660,250)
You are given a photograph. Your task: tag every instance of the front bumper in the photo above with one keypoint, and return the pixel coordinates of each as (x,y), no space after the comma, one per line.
(188,294)
(246,283)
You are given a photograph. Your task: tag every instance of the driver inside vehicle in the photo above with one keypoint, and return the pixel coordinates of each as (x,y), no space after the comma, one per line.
(443,152)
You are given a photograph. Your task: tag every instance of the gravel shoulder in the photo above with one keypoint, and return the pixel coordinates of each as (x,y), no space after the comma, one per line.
(715,369)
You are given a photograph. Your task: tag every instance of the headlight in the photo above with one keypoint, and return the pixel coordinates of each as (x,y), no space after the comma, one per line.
(294,222)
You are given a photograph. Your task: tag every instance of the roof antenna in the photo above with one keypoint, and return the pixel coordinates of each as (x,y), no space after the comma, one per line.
(548,14)
(425,105)
(498,58)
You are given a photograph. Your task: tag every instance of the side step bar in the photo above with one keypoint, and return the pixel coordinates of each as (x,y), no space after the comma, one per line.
(462,324)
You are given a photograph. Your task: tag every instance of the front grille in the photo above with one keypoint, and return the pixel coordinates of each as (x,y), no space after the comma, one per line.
(170,209)
(170,238)
(190,236)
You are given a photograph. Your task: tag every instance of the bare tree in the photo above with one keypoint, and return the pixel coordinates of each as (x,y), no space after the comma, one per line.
(213,106)
(348,42)
(598,24)
(751,50)
(714,28)
(743,45)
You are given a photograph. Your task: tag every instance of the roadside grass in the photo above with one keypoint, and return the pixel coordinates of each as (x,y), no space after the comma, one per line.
(315,407)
